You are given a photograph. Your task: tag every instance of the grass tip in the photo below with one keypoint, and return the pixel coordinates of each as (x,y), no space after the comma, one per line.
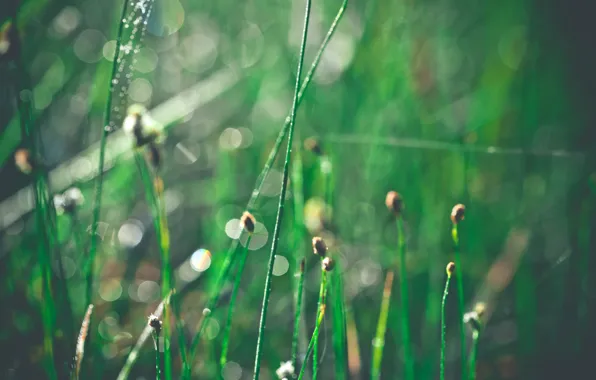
(394,202)
(328,264)
(313,145)
(248,221)
(155,323)
(319,247)
(458,213)
(450,269)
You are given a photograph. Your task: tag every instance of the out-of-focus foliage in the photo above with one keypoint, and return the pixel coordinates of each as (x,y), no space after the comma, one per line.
(445,102)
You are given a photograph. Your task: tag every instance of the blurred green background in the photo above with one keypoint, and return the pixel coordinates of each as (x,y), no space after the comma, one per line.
(483,103)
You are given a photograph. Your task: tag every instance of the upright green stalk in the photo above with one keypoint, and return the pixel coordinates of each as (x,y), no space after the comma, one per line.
(319,321)
(155,337)
(282,197)
(89,270)
(407,344)
(298,310)
(443,324)
(228,326)
(473,353)
(320,306)
(338,314)
(379,342)
(460,297)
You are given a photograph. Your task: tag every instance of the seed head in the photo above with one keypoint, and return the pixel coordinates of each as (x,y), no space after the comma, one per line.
(24,161)
(319,247)
(473,320)
(247,221)
(457,213)
(155,324)
(285,371)
(68,201)
(313,145)
(328,264)
(450,269)
(394,202)
(139,125)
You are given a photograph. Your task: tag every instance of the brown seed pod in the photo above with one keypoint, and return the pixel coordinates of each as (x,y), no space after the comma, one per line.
(24,161)
(155,324)
(473,320)
(328,264)
(458,213)
(247,221)
(302,265)
(319,247)
(450,269)
(313,145)
(394,202)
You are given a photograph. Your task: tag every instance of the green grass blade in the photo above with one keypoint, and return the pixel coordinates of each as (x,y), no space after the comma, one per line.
(405,320)
(379,341)
(319,321)
(282,198)
(460,297)
(338,312)
(228,325)
(473,353)
(443,327)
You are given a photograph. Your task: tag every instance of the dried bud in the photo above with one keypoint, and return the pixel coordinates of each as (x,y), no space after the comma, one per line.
(247,221)
(141,126)
(313,145)
(24,161)
(457,213)
(302,265)
(69,201)
(155,324)
(328,264)
(319,247)
(473,320)
(450,269)
(394,202)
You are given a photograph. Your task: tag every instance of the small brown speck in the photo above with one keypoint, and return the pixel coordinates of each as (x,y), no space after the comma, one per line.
(247,221)
(394,202)
(319,247)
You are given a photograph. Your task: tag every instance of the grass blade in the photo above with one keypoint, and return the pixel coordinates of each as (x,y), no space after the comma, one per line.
(379,342)
(405,320)
(456,217)
(282,197)
(450,268)
(78,359)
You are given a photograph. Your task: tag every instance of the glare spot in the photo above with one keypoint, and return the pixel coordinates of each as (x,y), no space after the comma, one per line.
(233,228)
(88,46)
(131,233)
(195,59)
(171,21)
(280,265)
(140,90)
(370,272)
(258,239)
(212,329)
(231,371)
(172,199)
(148,291)
(109,50)
(66,21)
(133,292)
(230,139)
(200,260)
(186,272)
(184,155)
(110,290)
(146,60)
(251,48)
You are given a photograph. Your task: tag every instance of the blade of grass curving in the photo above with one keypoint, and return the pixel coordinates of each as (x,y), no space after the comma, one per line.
(403,285)
(134,354)
(443,323)
(89,270)
(228,326)
(78,358)
(379,341)
(319,321)
(230,255)
(460,297)
(282,198)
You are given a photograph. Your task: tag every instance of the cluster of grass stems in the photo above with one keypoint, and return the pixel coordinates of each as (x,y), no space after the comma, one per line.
(168,311)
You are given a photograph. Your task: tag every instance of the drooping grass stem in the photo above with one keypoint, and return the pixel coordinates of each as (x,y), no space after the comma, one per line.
(282,198)
(228,325)
(405,320)
(89,271)
(379,341)
(443,323)
(319,321)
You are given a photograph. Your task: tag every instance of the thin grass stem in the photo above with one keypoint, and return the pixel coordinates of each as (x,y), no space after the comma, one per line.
(228,326)
(473,353)
(297,314)
(80,351)
(338,312)
(320,303)
(444,327)
(405,320)
(379,341)
(319,321)
(158,375)
(460,297)
(90,269)
(282,198)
